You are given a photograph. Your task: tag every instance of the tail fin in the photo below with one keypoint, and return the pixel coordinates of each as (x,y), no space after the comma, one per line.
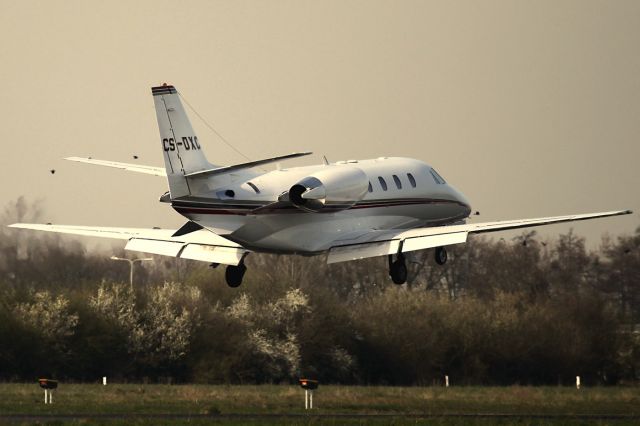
(182,151)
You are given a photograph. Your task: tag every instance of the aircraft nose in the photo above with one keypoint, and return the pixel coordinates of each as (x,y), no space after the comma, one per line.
(460,197)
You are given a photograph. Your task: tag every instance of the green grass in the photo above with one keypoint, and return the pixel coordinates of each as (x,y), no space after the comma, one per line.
(401,402)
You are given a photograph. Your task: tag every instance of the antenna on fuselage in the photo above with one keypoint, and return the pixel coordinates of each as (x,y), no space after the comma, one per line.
(326,162)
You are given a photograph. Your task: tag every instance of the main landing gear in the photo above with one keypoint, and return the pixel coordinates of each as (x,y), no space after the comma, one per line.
(398,267)
(234,274)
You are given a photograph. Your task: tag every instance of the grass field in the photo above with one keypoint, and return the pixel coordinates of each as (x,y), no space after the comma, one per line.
(270,404)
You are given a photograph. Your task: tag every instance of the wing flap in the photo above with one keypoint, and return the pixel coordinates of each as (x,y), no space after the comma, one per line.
(164,248)
(202,245)
(361,251)
(215,254)
(430,241)
(397,243)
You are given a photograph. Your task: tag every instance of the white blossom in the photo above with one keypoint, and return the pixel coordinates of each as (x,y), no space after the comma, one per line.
(284,309)
(271,330)
(50,316)
(163,328)
(240,309)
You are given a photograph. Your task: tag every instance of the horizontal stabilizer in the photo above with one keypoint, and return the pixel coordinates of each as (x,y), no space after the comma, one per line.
(202,244)
(228,169)
(150,170)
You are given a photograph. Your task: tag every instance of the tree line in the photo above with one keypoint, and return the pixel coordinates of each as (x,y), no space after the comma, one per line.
(500,311)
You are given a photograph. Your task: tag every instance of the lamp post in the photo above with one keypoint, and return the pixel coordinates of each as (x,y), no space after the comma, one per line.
(131,262)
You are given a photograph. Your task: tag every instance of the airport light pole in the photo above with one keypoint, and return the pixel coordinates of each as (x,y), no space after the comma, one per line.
(131,262)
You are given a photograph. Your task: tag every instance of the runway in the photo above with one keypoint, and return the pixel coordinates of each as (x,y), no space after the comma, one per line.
(310,416)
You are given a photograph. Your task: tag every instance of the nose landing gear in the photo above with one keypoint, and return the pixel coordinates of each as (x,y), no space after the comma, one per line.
(441,255)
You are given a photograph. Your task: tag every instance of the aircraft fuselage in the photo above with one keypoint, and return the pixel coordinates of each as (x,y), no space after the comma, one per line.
(403,193)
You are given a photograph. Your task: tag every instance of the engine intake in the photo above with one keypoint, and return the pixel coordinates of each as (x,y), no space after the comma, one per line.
(332,189)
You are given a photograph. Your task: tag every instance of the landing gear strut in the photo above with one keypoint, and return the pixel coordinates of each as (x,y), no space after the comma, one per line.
(398,269)
(234,274)
(441,255)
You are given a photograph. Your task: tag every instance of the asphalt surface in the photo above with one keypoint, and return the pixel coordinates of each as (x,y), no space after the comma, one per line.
(123,416)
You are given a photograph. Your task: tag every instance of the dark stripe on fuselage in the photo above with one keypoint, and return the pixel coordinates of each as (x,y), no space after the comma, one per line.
(245,209)
(392,203)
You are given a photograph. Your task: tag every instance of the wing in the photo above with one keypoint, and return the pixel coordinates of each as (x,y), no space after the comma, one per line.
(202,245)
(379,243)
(156,171)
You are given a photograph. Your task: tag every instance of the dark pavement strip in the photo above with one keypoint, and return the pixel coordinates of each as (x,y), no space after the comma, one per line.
(257,416)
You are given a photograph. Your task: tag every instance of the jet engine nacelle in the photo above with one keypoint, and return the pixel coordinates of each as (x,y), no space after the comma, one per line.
(334,188)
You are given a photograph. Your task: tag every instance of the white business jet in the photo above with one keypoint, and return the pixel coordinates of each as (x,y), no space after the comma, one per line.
(347,210)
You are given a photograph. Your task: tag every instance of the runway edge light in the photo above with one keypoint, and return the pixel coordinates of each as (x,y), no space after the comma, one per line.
(48,385)
(309,385)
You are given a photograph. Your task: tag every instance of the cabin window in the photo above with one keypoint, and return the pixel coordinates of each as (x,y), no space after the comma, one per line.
(383,184)
(370,187)
(255,188)
(396,179)
(412,180)
(437,177)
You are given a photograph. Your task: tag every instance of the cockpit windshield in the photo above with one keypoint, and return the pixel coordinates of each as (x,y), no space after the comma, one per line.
(439,180)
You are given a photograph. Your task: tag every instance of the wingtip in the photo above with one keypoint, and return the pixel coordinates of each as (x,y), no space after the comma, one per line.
(28,225)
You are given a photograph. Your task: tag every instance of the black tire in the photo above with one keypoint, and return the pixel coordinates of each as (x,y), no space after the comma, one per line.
(441,255)
(398,272)
(234,274)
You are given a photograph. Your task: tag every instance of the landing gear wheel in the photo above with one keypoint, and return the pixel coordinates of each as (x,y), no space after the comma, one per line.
(398,270)
(441,255)
(234,274)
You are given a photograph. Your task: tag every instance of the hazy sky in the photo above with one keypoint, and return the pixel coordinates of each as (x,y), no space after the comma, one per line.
(530,108)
